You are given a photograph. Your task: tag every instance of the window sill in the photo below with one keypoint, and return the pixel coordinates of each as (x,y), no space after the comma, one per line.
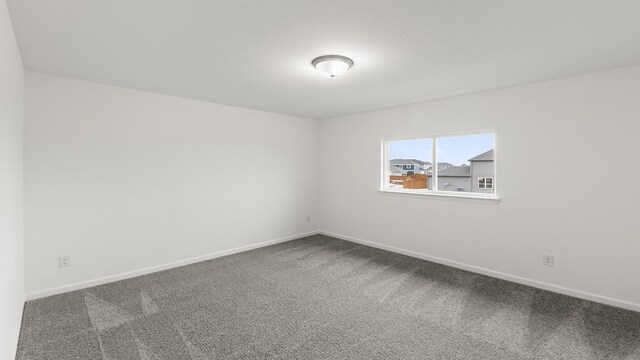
(444,195)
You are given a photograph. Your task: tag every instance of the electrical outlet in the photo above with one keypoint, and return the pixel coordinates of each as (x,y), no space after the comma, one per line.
(308,218)
(64,261)
(547,260)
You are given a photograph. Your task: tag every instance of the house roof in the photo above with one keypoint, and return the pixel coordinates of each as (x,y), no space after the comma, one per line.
(403,162)
(409,162)
(394,170)
(420,162)
(485,156)
(455,171)
(442,165)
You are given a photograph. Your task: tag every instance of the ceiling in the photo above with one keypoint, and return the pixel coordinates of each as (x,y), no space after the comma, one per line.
(257,53)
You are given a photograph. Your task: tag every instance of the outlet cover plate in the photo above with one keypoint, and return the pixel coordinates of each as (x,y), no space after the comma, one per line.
(64,261)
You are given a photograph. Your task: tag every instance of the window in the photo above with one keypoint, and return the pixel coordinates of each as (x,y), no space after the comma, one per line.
(485,183)
(408,165)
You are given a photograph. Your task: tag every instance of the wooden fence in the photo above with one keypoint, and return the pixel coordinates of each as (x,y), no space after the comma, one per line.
(415,181)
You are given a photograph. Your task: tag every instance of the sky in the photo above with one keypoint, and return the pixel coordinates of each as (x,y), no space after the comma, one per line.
(456,150)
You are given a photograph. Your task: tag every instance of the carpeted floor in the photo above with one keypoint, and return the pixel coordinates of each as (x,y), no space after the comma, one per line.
(322,298)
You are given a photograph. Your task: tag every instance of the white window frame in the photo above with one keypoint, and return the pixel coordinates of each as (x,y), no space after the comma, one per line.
(384,173)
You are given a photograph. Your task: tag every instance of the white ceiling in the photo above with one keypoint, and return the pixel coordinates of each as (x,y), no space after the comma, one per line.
(257,53)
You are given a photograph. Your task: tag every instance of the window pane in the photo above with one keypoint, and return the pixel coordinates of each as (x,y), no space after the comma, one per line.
(462,160)
(409,164)
(489,182)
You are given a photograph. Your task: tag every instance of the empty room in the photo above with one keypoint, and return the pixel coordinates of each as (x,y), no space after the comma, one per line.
(297,179)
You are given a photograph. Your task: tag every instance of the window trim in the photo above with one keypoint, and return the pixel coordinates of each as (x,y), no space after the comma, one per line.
(384,173)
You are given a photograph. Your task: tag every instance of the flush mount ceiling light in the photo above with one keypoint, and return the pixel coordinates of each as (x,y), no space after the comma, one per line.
(332,65)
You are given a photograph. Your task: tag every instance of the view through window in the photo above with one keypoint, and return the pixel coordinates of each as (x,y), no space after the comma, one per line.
(465,163)
(409,163)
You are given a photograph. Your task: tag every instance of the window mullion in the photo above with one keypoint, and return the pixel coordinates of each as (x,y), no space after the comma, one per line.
(434,164)
(385,164)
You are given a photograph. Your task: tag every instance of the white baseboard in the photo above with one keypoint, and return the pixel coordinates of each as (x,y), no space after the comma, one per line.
(17,334)
(497,274)
(130,274)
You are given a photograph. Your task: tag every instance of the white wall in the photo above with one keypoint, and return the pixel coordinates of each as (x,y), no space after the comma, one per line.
(11,244)
(123,180)
(550,136)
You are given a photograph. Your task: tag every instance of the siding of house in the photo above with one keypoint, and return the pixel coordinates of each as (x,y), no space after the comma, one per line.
(481,169)
(454,182)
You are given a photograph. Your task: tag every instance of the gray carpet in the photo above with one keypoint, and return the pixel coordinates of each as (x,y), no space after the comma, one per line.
(322,298)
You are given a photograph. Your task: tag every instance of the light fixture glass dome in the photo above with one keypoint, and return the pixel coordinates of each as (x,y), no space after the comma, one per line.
(332,65)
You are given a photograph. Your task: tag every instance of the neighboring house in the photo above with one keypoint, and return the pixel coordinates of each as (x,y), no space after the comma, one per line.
(454,178)
(396,171)
(423,164)
(477,177)
(410,166)
(483,172)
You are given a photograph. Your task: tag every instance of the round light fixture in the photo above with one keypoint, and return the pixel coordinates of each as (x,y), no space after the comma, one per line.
(332,65)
